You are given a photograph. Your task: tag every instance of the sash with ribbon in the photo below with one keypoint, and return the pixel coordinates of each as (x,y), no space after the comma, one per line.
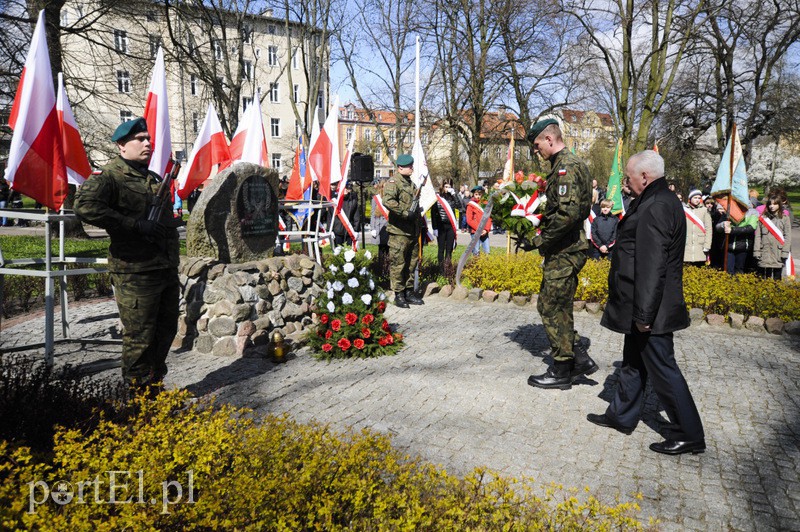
(692,217)
(773,229)
(444,204)
(526,207)
(379,204)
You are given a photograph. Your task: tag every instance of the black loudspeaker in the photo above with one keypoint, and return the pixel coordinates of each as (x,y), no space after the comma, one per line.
(362,168)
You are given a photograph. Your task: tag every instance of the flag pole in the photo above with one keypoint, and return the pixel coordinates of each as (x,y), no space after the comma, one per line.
(730,198)
(416,136)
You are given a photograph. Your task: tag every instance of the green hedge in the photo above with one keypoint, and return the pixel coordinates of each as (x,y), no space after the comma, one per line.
(713,291)
(269,474)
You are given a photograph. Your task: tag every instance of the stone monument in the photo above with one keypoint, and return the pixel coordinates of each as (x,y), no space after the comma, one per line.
(235,220)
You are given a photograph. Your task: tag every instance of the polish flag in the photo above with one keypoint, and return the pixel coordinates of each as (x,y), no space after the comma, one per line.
(36,158)
(249,144)
(298,183)
(323,153)
(78,167)
(421,177)
(210,150)
(156,114)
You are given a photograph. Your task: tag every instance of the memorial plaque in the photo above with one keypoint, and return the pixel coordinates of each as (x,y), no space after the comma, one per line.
(256,207)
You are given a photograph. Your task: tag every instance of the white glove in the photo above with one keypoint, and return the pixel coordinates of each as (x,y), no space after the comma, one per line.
(435,232)
(374,233)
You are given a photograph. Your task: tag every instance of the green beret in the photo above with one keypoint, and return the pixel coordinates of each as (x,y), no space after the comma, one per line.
(131,127)
(477,188)
(405,160)
(538,127)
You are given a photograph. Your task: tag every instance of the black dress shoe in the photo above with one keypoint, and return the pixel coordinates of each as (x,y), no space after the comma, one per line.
(400,300)
(413,299)
(555,377)
(679,447)
(603,421)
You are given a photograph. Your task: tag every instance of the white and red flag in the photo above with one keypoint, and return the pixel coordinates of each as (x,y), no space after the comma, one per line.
(78,167)
(36,157)
(298,183)
(323,152)
(249,143)
(156,114)
(342,191)
(210,152)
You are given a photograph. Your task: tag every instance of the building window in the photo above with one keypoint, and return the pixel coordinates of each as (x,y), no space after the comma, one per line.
(217,49)
(276,162)
(392,154)
(391,138)
(272,55)
(271,29)
(247,34)
(125,115)
(195,121)
(64,17)
(123,81)
(151,16)
(191,45)
(296,93)
(367,134)
(273,92)
(121,41)
(321,99)
(378,155)
(349,133)
(247,69)
(246,101)
(297,129)
(155,44)
(350,113)
(193,84)
(424,137)
(275,127)
(295,60)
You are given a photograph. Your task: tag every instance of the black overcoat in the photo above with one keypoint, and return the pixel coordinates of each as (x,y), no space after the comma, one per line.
(645,284)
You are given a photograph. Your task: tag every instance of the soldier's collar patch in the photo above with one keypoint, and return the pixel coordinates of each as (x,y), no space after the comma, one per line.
(563,189)
(562,172)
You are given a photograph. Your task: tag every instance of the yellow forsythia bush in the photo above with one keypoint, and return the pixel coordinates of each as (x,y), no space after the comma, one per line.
(191,466)
(711,290)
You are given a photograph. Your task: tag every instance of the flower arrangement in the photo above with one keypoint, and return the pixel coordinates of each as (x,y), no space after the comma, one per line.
(519,206)
(350,311)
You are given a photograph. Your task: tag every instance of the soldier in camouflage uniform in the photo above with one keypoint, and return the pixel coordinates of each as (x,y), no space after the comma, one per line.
(401,200)
(143,255)
(562,243)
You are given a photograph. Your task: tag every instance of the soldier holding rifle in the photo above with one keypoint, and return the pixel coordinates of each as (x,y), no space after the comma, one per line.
(134,206)
(401,199)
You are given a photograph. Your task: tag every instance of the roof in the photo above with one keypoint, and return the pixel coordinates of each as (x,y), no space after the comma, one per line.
(571,116)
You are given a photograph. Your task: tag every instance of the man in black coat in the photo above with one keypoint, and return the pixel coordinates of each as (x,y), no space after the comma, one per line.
(645,303)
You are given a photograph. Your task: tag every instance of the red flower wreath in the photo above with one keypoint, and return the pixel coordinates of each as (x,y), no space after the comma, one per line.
(324,319)
(367,319)
(350,318)
(358,343)
(365,332)
(336,325)
(327,347)
(344,344)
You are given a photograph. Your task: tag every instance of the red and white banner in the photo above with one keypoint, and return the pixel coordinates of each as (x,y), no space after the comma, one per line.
(379,204)
(427,196)
(341,192)
(36,157)
(156,114)
(298,184)
(323,152)
(444,204)
(78,167)
(526,207)
(209,153)
(789,270)
(773,229)
(249,144)
(692,217)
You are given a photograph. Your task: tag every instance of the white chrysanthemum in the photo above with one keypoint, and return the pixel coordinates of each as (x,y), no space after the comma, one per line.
(328,285)
(337,285)
(331,306)
(367,255)
(349,255)
(382,296)
(363,271)
(367,299)
(337,250)
(333,268)
(330,293)
(371,284)
(352,282)
(347,298)
(348,267)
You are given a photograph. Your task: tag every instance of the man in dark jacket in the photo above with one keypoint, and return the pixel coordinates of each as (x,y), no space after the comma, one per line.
(143,255)
(645,302)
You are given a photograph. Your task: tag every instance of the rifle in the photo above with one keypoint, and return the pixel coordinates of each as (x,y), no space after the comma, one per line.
(156,208)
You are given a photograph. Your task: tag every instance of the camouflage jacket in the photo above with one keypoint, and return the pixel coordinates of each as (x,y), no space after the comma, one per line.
(114,201)
(398,195)
(569,198)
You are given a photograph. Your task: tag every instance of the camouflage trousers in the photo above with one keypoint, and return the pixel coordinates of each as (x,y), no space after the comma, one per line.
(555,304)
(148,309)
(403,257)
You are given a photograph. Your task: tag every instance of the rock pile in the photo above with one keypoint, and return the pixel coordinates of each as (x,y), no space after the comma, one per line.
(233,309)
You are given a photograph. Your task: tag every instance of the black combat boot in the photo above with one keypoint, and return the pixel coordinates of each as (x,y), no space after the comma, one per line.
(584,365)
(400,300)
(557,376)
(413,298)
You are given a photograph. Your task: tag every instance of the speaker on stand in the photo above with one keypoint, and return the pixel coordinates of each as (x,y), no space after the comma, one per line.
(362,171)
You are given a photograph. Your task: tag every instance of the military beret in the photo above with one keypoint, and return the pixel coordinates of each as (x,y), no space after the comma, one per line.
(131,127)
(405,160)
(538,127)
(477,188)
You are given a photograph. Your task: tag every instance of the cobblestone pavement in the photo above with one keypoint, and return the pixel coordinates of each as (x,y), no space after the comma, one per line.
(457,396)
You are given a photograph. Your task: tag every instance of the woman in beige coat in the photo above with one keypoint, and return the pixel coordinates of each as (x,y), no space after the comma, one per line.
(698,230)
(770,253)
